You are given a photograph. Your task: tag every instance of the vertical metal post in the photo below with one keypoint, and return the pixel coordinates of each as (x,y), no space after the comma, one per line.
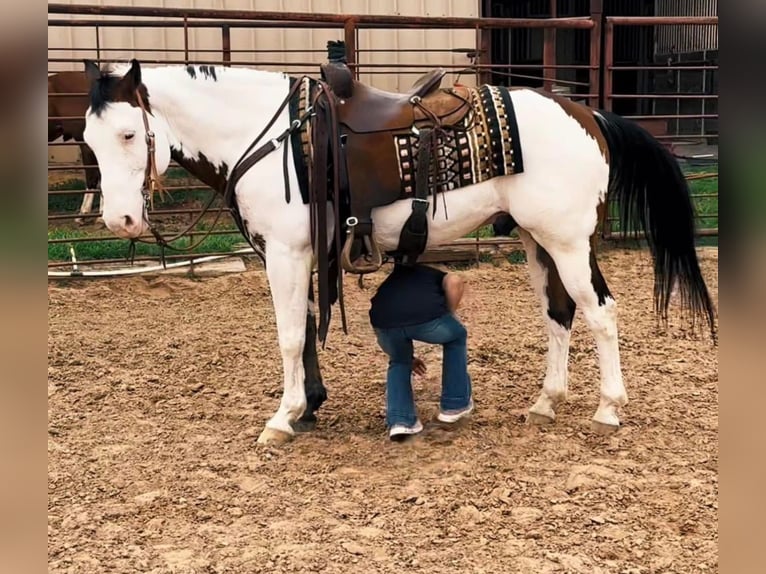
(226,43)
(98,44)
(549,52)
(549,58)
(594,83)
(608,63)
(186,40)
(608,56)
(484,54)
(349,37)
(704,92)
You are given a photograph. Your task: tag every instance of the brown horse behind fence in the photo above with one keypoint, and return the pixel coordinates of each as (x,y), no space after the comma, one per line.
(62,104)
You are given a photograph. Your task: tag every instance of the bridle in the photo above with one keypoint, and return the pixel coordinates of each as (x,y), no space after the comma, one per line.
(152,185)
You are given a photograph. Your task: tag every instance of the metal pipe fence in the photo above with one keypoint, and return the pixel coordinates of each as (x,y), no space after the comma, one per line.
(597,91)
(681,108)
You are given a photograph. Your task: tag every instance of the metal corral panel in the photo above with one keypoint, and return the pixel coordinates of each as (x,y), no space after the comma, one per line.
(268,47)
(686,39)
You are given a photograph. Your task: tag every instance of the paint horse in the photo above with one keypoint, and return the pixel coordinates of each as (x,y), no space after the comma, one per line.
(62,104)
(574,158)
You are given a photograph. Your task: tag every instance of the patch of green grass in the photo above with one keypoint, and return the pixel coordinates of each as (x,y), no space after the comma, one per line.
(114,248)
(484,231)
(517,256)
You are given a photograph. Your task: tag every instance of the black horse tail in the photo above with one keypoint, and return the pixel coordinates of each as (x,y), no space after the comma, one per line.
(653,196)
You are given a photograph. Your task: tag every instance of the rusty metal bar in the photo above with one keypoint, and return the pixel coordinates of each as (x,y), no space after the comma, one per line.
(170,188)
(484,56)
(186,40)
(419,67)
(63,216)
(145,258)
(686,136)
(673,117)
(608,63)
(617,235)
(662,20)
(349,37)
(130,23)
(76,166)
(595,56)
(98,44)
(399,21)
(225,42)
(307,50)
(662,68)
(669,96)
(549,58)
(216,50)
(233,231)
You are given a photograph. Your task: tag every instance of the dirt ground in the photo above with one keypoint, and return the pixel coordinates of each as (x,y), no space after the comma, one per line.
(158,388)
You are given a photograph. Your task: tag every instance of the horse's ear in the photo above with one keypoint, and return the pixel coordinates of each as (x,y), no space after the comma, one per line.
(134,74)
(92,72)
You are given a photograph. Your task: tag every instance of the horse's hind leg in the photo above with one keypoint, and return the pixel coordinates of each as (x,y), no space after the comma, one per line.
(582,278)
(558,312)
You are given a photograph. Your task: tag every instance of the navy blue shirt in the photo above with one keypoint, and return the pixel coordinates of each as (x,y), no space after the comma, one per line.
(410,295)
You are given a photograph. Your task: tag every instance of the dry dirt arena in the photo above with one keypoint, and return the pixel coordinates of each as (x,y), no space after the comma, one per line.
(158,388)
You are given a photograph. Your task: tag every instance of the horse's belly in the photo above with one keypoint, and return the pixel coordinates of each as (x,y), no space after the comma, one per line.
(458,212)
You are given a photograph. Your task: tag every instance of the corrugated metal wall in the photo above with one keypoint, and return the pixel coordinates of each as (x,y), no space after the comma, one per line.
(686,39)
(424,48)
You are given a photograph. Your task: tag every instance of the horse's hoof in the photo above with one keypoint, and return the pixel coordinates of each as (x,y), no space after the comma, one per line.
(603,428)
(274,437)
(305,424)
(538,419)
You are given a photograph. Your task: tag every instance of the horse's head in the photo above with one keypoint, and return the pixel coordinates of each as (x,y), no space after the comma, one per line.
(119,128)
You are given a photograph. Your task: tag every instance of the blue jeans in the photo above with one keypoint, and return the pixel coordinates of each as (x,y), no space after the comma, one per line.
(447,331)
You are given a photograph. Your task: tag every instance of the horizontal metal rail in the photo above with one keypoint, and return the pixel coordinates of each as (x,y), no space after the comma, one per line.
(138,258)
(143,237)
(662,20)
(73,215)
(309,17)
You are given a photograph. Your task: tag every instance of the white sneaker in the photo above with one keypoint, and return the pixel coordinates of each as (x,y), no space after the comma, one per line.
(400,432)
(452,416)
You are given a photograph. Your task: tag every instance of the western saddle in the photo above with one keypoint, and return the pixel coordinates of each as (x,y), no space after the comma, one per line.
(368,120)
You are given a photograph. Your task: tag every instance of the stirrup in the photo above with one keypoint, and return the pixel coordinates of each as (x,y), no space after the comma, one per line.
(375,257)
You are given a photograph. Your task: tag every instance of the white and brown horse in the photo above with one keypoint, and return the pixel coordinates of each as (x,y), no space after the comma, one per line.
(573,158)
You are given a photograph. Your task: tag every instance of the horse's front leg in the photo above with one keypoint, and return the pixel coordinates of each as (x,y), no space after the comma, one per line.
(288,271)
(314,388)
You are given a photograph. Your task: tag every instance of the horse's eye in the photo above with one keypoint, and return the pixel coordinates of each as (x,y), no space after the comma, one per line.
(129,136)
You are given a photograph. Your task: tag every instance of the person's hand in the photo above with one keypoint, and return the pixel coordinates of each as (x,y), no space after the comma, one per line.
(418,367)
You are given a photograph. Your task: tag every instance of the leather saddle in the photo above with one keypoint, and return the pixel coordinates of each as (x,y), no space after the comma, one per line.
(369,119)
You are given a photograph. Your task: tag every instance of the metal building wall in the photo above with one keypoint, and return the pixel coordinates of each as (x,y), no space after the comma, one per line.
(686,39)
(425,48)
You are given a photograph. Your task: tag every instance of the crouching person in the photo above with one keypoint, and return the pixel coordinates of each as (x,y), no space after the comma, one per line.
(418,303)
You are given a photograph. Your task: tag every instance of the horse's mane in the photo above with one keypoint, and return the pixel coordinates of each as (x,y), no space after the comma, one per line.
(111,74)
(100,91)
